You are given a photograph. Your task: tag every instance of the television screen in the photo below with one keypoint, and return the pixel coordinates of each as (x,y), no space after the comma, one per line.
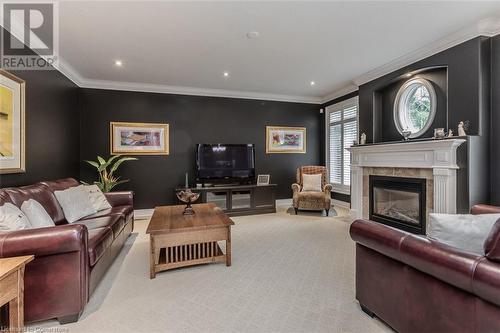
(225,161)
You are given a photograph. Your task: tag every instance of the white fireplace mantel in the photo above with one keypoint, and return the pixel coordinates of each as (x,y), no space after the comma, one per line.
(438,155)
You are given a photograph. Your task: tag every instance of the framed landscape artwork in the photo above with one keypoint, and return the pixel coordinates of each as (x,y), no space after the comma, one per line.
(285,139)
(12,135)
(139,138)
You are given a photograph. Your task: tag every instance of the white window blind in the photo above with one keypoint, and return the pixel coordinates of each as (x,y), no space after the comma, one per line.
(342,131)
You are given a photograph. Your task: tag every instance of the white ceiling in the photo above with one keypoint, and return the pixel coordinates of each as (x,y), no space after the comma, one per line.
(186,46)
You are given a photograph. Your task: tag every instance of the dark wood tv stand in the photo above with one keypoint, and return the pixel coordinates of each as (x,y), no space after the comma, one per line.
(237,200)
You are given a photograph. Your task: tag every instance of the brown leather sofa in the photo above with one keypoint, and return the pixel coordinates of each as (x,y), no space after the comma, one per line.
(415,284)
(70,259)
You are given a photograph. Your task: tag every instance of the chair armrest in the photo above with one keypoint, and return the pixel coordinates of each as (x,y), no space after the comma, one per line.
(295,188)
(123,198)
(44,241)
(485,209)
(441,261)
(327,188)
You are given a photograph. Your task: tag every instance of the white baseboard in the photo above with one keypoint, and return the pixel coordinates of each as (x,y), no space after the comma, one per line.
(343,204)
(143,214)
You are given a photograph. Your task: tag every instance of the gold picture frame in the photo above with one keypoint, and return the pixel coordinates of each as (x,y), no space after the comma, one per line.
(139,138)
(286,140)
(12,124)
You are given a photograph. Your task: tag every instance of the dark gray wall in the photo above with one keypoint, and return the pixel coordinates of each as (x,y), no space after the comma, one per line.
(52,128)
(462,78)
(495,120)
(466,101)
(383,108)
(193,119)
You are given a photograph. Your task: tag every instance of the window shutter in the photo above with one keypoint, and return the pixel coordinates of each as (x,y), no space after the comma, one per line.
(336,154)
(350,134)
(342,132)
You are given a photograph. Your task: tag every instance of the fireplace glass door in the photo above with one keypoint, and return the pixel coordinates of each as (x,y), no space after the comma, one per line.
(398,202)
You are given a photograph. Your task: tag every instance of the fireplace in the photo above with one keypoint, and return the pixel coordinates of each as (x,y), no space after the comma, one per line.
(398,202)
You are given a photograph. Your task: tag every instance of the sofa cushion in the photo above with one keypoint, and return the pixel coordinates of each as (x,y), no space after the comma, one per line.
(4,197)
(61,184)
(97,198)
(36,214)
(12,218)
(75,203)
(100,240)
(462,231)
(114,222)
(492,243)
(43,195)
(125,211)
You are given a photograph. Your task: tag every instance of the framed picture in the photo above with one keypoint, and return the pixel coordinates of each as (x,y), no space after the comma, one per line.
(139,138)
(285,139)
(263,180)
(12,132)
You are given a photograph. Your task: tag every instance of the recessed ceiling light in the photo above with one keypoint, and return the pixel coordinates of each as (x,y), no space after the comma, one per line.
(225,74)
(312,83)
(118,63)
(253,34)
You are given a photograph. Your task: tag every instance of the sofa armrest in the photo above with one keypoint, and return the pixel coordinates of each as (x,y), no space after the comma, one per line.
(441,261)
(44,241)
(123,198)
(485,209)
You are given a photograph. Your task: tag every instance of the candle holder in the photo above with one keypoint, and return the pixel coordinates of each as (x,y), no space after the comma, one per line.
(188,197)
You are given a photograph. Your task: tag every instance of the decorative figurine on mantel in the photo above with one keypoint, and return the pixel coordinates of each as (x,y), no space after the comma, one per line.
(462,127)
(406,134)
(450,133)
(362,141)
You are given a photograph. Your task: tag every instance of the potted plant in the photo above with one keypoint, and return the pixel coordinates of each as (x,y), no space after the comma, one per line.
(105,169)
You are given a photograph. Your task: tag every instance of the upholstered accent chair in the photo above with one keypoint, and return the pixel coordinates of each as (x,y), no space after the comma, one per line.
(310,200)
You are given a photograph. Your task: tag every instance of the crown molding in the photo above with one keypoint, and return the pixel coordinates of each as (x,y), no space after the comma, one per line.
(340,92)
(166,89)
(487,27)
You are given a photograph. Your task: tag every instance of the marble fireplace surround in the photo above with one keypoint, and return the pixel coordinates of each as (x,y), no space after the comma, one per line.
(434,160)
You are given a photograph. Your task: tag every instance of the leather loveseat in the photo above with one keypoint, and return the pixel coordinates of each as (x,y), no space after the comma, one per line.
(416,284)
(70,259)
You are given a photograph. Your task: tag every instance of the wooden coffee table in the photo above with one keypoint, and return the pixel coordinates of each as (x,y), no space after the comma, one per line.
(178,240)
(12,289)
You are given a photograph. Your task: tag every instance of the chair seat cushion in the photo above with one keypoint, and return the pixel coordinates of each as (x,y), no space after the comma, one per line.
(310,195)
(100,240)
(125,211)
(114,222)
(312,200)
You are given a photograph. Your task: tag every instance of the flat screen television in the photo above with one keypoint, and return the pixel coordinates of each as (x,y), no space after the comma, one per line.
(225,163)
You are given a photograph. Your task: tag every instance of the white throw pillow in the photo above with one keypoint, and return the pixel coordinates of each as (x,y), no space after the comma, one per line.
(466,232)
(311,183)
(97,198)
(12,218)
(75,203)
(36,214)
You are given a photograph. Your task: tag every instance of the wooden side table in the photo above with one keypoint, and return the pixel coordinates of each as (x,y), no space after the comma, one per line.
(12,288)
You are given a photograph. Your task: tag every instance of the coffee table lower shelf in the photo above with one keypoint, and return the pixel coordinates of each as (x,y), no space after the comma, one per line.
(188,255)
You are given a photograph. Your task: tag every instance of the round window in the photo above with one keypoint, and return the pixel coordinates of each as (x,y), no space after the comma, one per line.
(415,107)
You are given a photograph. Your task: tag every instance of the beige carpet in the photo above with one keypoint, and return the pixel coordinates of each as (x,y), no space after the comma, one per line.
(289,274)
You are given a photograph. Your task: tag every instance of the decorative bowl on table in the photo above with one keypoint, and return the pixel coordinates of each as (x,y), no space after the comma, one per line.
(188,197)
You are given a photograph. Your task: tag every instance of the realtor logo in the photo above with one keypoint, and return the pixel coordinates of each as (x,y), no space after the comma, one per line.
(29,39)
